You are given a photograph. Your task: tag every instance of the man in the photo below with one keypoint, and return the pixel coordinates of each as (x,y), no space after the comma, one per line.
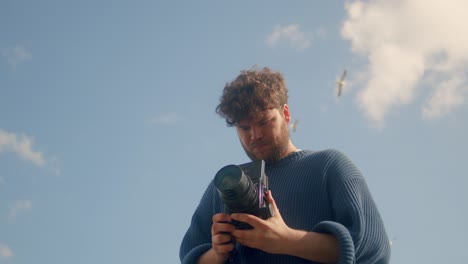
(323,211)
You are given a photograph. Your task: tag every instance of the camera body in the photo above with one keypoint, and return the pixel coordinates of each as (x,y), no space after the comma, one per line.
(242,189)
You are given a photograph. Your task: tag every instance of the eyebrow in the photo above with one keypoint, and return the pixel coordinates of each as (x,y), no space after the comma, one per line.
(263,119)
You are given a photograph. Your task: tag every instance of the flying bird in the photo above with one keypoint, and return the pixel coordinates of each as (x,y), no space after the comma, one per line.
(294,125)
(340,83)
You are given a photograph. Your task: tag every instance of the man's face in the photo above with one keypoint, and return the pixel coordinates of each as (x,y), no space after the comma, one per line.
(266,137)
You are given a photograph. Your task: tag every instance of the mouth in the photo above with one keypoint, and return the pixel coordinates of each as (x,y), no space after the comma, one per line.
(260,146)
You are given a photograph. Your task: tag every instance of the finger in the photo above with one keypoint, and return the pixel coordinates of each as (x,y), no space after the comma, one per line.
(223,248)
(246,238)
(240,235)
(217,228)
(248,218)
(220,239)
(272,203)
(245,242)
(270,199)
(223,218)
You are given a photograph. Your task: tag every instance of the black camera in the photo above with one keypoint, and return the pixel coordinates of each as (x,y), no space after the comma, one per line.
(242,189)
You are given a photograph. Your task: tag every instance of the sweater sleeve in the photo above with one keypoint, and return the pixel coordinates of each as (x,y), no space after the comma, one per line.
(197,239)
(344,239)
(358,225)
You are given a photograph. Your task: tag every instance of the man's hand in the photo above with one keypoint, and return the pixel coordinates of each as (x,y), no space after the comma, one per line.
(274,236)
(221,240)
(267,235)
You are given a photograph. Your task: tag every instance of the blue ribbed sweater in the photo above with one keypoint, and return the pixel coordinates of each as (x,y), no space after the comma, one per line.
(320,191)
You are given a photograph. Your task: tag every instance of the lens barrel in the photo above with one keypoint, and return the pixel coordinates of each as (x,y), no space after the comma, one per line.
(236,189)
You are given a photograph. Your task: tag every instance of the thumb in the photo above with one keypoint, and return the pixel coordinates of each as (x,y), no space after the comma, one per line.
(274,209)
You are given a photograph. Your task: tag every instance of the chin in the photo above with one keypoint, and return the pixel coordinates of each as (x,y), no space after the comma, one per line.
(254,156)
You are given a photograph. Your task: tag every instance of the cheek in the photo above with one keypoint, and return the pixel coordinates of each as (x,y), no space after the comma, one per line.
(243,137)
(278,133)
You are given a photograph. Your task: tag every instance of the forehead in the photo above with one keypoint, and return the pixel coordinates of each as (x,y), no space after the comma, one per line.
(260,116)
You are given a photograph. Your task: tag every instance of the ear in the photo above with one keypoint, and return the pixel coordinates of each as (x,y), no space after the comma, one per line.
(286,113)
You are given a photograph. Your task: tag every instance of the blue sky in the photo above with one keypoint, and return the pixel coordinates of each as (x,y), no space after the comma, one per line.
(108,135)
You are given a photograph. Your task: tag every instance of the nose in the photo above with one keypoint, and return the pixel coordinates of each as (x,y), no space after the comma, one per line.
(255,133)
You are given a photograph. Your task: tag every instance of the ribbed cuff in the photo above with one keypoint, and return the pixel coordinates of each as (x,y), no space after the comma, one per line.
(194,254)
(345,240)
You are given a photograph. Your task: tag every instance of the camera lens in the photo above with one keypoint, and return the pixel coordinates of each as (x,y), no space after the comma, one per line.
(228,178)
(236,189)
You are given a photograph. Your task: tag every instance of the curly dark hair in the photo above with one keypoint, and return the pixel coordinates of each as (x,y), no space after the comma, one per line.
(251,93)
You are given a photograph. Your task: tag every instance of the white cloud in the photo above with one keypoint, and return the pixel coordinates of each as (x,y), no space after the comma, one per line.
(21,145)
(448,94)
(16,55)
(19,207)
(289,34)
(405,42)
(5,252)
(165,119)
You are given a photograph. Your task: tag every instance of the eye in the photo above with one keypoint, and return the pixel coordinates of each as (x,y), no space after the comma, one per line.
(244,128)
(265,122)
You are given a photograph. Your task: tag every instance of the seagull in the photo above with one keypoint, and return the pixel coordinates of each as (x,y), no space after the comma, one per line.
(341,82)
(294,125)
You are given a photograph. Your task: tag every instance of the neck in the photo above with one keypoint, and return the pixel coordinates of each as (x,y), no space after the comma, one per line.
(291,149)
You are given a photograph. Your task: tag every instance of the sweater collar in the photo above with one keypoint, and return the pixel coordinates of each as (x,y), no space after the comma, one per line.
(292,156)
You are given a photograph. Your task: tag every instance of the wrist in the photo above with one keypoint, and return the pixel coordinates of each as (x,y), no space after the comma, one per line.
(293,241)
(212,256)
(313,246)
